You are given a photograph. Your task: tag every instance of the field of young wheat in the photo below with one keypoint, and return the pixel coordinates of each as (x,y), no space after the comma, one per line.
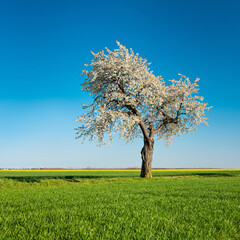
(174,204)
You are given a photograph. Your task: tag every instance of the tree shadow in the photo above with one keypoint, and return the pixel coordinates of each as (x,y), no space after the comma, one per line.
(77,178)
(215,174)
(37,179)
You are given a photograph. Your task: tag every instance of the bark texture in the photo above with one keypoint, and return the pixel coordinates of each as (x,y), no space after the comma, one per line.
(147,155)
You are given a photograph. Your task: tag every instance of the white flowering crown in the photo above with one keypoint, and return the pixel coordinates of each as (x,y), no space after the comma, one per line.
(130,100)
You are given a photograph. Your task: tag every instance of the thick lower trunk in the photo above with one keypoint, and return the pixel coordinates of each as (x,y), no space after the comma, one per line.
(147,154)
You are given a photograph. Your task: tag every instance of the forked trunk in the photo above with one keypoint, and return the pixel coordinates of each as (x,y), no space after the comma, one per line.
(147,154)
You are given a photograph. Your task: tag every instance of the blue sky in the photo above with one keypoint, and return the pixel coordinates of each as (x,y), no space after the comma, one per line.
(45,44)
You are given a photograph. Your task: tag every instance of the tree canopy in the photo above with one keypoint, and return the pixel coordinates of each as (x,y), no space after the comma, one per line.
(130,100)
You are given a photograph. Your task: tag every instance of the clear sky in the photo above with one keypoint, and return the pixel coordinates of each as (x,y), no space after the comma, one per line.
(45,44)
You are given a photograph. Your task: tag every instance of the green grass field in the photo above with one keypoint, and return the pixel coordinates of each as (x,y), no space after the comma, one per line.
(119,205)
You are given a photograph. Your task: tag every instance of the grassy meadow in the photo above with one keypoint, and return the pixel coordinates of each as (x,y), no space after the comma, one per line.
(174,204)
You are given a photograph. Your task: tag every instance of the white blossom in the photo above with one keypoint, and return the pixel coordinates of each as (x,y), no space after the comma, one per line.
(130,100)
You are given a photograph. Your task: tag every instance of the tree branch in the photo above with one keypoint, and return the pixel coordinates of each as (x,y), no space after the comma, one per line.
(144,129)
(159,128)
(134,111)
(151,131)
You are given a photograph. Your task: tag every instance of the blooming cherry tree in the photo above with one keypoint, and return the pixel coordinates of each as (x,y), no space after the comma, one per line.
(130,100)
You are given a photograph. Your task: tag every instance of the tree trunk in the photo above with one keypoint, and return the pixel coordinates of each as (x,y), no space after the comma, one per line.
(147,154)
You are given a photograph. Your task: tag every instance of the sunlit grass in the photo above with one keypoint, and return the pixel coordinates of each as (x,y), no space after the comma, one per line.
(119,205)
